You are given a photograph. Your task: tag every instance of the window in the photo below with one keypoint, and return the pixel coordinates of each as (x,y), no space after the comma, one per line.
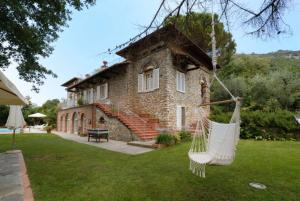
(180,81)
(102,91)
(148,81)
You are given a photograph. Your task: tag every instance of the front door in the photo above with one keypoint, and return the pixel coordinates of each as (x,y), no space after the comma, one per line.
(180,117)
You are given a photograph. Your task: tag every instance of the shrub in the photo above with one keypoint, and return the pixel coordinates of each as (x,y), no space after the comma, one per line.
(177,138)
(269,125)
(185,135)
(80,101)
(165,138)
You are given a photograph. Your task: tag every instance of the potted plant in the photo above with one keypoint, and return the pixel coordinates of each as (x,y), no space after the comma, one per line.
(80,101)
(48,129)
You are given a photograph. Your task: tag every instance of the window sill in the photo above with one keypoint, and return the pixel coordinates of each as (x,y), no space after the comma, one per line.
(149,91)
(181,91)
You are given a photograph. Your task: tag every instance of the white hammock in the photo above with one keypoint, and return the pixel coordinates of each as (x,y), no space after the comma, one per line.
(215,144)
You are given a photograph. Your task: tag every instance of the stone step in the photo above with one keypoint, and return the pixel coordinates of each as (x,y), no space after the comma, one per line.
(146,144)
(144,129)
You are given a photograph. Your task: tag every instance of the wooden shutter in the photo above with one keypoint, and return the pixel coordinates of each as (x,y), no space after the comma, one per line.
(183,82)
(156,78)
(140,82)
(180,81)
(177,81)
(91,95)
(84,96)
(98,92)
(178,117)
(105,90)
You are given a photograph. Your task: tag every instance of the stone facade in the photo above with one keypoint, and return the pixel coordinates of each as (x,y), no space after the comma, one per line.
(117,131)
(153,102)
(160,104)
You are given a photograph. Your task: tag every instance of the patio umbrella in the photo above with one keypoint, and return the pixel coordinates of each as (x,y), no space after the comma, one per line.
(15,120)
(37,115)
(9,94)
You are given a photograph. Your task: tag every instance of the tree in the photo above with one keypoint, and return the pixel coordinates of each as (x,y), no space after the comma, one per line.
(267,21)
(50,108)
(29,109)
(264,82)
(197,26)
(27,29)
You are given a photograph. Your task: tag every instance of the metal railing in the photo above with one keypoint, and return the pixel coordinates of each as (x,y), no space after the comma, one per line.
(68,103)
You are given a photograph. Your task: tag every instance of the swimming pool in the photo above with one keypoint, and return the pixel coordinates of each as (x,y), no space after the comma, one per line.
(6,130)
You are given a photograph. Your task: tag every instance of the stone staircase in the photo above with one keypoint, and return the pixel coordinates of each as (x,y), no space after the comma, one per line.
(142,126)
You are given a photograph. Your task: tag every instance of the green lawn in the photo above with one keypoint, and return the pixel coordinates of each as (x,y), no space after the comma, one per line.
(68,171)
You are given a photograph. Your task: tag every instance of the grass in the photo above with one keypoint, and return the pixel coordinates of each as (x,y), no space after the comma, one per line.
(63,170)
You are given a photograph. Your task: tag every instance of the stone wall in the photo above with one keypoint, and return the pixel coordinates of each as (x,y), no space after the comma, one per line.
(117,131)
(153,102)
(118,90)
(161,103)
(190,99)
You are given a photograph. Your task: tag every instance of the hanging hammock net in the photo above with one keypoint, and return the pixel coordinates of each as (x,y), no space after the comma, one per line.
(213,142)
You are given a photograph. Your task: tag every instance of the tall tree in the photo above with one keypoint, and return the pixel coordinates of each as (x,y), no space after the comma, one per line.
(197,26)
(27,29)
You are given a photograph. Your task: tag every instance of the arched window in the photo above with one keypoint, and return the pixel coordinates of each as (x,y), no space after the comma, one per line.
(148,78)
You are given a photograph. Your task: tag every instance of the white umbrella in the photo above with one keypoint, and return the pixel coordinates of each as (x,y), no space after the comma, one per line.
(9,94)
(15,120)
(37,115)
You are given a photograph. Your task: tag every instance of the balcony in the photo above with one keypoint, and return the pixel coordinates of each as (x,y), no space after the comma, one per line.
(68,103)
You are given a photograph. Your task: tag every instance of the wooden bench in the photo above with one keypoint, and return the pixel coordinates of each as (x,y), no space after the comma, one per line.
(97,134)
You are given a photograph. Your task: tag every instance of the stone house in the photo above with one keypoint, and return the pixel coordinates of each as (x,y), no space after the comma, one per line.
(158,86)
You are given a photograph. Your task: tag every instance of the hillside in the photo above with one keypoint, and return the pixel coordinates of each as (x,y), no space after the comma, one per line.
(280,53)
(270,87)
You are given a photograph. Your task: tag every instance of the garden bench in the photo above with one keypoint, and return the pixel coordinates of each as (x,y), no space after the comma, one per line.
(97,134)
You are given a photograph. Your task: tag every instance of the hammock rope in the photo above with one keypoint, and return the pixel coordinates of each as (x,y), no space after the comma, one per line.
(213,142)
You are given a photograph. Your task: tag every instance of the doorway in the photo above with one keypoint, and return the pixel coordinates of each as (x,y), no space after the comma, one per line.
(180,117)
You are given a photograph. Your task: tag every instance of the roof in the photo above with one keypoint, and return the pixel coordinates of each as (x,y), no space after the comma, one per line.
(70,81)
(101,72)
(170,34)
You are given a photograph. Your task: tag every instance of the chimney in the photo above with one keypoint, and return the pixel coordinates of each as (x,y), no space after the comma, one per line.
(104,65)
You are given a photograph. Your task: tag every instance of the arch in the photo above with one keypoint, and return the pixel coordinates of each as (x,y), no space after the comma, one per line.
(74,128)
(61,122)
(150,64)
(66,123)
(82,124)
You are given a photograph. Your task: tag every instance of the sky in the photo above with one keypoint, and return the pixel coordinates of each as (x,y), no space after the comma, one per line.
(112,22)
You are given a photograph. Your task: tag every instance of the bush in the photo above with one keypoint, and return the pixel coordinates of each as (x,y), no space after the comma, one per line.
(185,136)
(177,138)
(165,138)
(274,125)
